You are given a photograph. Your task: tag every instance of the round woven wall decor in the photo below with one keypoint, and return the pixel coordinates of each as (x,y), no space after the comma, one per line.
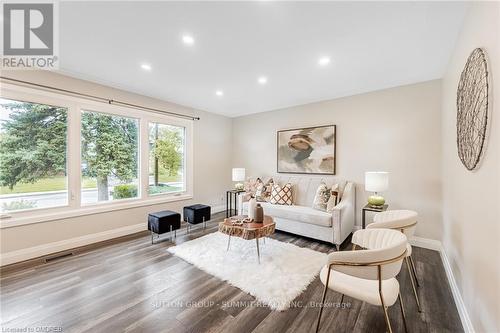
(472,109)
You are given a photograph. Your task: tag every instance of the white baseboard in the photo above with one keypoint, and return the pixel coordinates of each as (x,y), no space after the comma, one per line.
(436,245)
(462,310)
(426,243)
(218,209)
(45,249)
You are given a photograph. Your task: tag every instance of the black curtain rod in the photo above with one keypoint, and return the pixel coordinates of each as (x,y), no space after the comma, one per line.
(100,99)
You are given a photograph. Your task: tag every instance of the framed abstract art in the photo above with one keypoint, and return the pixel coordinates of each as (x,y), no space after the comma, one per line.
(309,150)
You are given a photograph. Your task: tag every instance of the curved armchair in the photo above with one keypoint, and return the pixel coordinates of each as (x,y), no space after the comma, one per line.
(404,221)
(367,275)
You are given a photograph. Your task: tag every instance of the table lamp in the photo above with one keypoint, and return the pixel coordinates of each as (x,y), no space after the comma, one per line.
(238,176)
(376,181)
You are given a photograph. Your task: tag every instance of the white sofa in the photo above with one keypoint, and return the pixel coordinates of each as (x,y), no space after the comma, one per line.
(301,219)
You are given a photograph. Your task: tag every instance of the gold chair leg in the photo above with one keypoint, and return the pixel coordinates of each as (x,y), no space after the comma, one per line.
(414,271)
(413,284)
(386,315)
(323,299)
(403,311)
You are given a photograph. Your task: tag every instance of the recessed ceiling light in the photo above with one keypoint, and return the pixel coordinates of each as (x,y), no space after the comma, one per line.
(262,80)
(323,61)
(219,93)
(146,67)
(188,39)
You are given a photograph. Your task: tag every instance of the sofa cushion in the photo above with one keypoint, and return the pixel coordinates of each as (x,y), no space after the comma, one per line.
(297,213)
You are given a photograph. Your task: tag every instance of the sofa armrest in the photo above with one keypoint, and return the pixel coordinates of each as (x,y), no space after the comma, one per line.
(343,215)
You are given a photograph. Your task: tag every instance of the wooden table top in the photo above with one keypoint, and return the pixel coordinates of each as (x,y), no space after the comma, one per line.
(268,220)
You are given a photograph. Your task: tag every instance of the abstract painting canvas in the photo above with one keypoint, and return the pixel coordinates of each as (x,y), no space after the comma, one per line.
(307,150)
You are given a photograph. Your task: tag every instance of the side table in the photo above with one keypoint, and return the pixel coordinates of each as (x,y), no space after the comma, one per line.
(370,208)
(229,202)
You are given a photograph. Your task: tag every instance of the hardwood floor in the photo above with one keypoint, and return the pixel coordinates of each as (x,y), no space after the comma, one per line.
(133,286)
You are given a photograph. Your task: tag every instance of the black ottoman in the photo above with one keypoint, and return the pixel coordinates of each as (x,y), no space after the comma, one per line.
(162,222)
(195,214)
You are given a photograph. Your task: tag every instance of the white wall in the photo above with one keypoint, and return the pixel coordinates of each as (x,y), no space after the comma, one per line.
(396,130)
(471,200)
(212,174)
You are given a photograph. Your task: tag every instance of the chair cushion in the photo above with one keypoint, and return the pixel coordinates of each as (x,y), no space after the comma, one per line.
(394,219)
(161,222)
(362,289)
(297,213)
(195,214)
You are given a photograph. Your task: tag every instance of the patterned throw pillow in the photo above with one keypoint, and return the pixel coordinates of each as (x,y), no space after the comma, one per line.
(250,186)
(281,195)
(263,192)
(322,197)
(334,198)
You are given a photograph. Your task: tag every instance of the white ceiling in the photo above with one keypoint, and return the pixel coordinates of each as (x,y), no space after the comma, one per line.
(373,45)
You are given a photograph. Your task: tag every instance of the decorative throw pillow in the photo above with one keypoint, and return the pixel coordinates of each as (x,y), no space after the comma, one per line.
(281,195)
(250,186)
(260,192)
(322,197)
(263,192)
(334,198)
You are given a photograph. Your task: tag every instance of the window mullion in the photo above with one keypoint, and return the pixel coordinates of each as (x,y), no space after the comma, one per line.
(74,157)
(144,158)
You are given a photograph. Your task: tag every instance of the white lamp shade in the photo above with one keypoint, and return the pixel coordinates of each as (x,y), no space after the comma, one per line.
(238,174)
(376,181)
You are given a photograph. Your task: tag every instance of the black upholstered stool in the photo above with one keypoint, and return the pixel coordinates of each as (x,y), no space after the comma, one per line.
(162,222)
(195,214)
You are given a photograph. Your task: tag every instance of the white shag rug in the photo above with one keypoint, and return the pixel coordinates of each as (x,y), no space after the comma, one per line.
(284,272)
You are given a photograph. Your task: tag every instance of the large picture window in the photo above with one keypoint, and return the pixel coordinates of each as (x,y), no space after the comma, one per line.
(166,158)
(63,156)
(33,139)
(110,150)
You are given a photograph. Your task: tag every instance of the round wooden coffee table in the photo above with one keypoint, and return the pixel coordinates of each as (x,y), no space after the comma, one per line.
(248,231)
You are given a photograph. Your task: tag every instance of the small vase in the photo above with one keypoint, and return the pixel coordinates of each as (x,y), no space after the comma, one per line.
(251,208)
(259,214)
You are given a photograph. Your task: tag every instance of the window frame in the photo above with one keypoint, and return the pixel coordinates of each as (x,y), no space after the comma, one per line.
(152,120)
(120,113)
(74,207)
(29,98)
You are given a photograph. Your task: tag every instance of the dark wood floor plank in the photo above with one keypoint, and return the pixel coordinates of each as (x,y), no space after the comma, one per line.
(133,286)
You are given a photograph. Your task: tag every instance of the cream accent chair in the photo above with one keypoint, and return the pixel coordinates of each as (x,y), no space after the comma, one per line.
(406,222)
(368,275)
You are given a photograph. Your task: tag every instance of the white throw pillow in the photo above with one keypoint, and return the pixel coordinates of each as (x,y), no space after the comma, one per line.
(322,197)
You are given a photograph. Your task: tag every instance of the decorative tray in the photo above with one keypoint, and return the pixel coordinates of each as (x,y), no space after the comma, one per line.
(239,222)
